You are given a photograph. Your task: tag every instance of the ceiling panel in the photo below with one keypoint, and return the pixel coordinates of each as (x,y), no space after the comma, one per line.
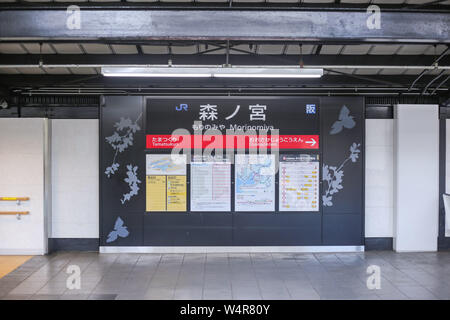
(8,71)
(358,49)
(331,49)
(184,49)
(68,48)
(57,70)
(391,71)
(414,49)
(83,70)
(35,48)
(155,49)
(31,70)
(95,48)
(12,48)
(124,49)
(270,49)
(384,49)
(244,48)
(435,50)
(295,49)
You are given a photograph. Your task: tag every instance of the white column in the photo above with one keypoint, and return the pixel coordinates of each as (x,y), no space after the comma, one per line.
(23,145)
(379,178)
(75,166)
(416,177)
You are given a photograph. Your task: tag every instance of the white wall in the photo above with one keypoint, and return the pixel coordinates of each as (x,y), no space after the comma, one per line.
(75,195)
(22,143)
(379,178)
(416,177)
(447,176)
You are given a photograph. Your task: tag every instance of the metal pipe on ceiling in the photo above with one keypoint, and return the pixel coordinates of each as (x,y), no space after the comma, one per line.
(401,67)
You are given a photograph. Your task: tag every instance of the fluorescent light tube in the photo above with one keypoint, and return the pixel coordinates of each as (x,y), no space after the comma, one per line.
(157,72)
(202,72)
(267,73)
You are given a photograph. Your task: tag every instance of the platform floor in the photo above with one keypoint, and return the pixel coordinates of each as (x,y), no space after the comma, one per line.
(231,276)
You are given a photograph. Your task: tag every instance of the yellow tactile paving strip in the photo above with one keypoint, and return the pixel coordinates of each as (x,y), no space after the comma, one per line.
(9,263)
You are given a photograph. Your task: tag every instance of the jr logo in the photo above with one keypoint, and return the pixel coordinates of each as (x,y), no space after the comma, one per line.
(182,107)
(310,109)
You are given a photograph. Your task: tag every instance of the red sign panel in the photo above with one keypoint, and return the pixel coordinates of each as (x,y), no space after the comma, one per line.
(164,141)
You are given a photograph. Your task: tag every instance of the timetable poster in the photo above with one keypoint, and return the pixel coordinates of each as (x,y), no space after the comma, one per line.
(210,184)
(255,182)
(165,182)
(299,183)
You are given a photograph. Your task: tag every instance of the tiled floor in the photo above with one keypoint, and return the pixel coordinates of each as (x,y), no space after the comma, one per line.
(231,276)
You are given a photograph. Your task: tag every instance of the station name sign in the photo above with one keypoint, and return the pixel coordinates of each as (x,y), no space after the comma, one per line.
(157,141)
(232,123)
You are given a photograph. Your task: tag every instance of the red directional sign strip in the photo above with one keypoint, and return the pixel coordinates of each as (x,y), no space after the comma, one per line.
(164,141)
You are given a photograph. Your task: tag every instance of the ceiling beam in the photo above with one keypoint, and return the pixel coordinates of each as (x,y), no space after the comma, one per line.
(86,82)
(214,24)
(129,5)
(251,59)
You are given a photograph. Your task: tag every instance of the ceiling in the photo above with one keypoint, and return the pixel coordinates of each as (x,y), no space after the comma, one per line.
(78,64)
(319,2)
(236,50)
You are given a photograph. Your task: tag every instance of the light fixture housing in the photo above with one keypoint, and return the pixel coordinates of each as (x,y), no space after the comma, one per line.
(261,72)
(208,72)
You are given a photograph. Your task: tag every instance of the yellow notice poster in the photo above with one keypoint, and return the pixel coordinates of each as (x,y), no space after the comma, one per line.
(176,193)
(156,193)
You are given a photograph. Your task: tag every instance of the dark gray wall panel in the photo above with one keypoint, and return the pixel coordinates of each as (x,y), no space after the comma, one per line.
(343,209)
(372,244)
(280,229)
(73,244)
(342,230)
(188,229)
(340,223)
(114,187)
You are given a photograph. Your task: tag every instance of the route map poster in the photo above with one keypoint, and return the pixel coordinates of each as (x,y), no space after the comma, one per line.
(255,182)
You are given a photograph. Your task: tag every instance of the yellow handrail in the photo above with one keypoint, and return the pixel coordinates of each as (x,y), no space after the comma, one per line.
(14,198)
(14,212)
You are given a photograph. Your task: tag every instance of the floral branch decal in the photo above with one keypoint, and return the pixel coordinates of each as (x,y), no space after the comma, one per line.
(121,139)
(334,175)
(133,183)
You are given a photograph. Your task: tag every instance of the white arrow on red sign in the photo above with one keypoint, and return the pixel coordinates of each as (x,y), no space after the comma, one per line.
(312,142)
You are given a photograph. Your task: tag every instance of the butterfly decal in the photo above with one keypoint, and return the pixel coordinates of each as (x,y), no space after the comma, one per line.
(119,231)
(345,121)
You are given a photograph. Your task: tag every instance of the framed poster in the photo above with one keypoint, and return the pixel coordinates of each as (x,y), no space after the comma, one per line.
(254,182)
(210,184)
(299,182)
(166,182)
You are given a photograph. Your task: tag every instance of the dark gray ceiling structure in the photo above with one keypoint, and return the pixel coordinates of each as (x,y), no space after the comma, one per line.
(226,24)
(409,55)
